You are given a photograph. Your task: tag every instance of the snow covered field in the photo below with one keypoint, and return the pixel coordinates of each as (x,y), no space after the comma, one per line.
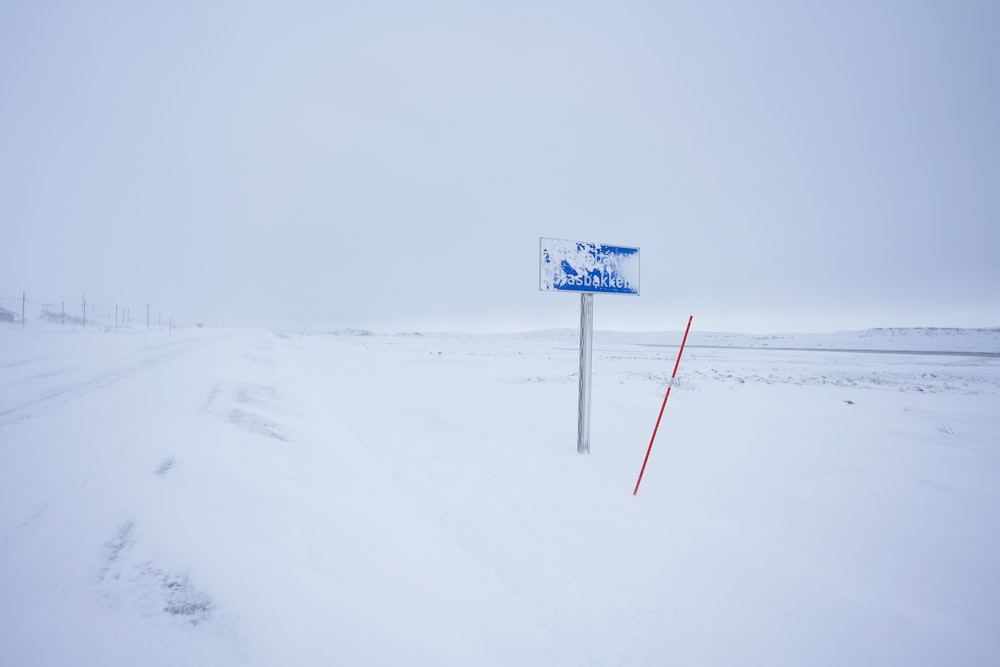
(248,497)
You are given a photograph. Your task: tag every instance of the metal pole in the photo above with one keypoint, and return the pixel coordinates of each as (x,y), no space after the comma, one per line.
(586,365)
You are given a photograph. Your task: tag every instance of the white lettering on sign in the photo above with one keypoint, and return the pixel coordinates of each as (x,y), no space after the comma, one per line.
(575,266)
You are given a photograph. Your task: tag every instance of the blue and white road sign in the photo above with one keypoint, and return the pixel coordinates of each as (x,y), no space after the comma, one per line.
(574,266)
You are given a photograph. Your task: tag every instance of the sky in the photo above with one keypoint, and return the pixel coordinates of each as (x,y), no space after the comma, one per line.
(782,166)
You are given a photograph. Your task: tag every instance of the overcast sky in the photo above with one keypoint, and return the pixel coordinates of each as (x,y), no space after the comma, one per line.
(783,166)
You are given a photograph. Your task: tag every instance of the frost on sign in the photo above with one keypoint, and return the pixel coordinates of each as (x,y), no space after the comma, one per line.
(574,266)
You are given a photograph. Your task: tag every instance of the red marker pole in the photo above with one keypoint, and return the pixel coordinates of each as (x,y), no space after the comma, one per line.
(660,416)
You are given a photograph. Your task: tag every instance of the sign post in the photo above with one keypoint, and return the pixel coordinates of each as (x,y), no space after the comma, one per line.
(587,268)
(586,371)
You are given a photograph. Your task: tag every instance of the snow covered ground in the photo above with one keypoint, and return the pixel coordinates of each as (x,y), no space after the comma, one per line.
(249,497)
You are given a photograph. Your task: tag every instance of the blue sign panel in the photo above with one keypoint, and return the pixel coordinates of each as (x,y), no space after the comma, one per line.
(573,266)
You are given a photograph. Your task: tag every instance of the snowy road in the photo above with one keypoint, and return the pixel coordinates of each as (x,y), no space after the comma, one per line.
(250,498)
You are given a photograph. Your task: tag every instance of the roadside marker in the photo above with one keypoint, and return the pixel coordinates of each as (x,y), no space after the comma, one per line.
(663,405)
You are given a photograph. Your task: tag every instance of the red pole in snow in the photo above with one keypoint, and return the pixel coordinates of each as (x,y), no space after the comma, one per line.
(663,405)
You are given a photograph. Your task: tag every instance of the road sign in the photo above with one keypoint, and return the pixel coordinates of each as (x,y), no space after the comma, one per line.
(587,268)
(574,266)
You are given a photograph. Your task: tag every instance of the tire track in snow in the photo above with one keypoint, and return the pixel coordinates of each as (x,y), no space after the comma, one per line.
(23,362)
(24,410)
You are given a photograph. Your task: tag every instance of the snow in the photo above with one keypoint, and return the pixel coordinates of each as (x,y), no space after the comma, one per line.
(251,497)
